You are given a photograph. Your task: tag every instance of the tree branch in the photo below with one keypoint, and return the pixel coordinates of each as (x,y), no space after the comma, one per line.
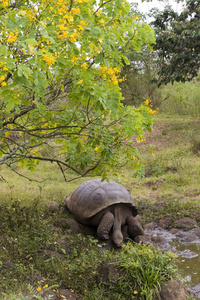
(104,3)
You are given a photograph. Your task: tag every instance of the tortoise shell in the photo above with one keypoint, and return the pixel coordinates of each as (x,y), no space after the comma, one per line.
(95,195)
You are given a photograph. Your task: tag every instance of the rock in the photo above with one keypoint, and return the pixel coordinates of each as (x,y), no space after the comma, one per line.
(60,246)
(185,223)
(158,239)
(191,238)
(107,274)
(49,253)
(7,265)
(165,223)
(174,230)
(195,290)
(53,207)
(144,239)
(74,226)
(197,232)
(150,226)
(67,294)
(50,293)
(173,290)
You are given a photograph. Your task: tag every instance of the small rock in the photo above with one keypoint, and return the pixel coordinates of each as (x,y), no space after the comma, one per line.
(195,290)
(158,239)
(48,293)
(68,223)
(185,223)
(174,230)
(7,265)
(197,231)
(107,274)
(144,239)
(150,226)
(67,294)
(74,226)
(161,204)
(50,253)
(60,246)
(191,238)
(53,207)
(173,290)
(165,222)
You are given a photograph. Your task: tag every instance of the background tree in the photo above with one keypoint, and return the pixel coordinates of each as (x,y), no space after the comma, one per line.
(139,75)
(178,43)
(60,99)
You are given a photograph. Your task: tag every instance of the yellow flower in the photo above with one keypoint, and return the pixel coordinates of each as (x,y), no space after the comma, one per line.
(80,28)
(2,78)
(12,37)
(50,60)
(84,66)
(147,102)
(80,81)
(5,68)
(83,23)
(75,11)
(5,3)
(72,37)
(74,59)
(39,289)
(62,27)
(7,133)
(96,148)
(3,83)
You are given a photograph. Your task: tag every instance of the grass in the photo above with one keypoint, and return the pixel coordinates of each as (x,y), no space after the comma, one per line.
(28,229)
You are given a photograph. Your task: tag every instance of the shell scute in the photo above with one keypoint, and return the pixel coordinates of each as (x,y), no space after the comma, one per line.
(94,195)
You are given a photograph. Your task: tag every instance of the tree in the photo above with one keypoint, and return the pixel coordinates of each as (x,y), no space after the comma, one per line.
(60,99)
(178,43)
(139,74)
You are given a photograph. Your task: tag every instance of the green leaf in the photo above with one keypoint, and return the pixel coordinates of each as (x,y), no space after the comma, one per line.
(99,58)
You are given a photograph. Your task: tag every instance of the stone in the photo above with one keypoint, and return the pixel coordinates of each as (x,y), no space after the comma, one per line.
(67,294)
(107,274)
(60,246)
(173,290)
(185,223)
(149,226)
(7,265)
(174,230)
(191,238)
(165,223)
(197,232)
(195,290)
(74,226)
(158,239)
(144,239)
(53,207)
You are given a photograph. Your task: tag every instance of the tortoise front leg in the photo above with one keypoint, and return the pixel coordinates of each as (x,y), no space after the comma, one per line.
(105,226)
(134,227)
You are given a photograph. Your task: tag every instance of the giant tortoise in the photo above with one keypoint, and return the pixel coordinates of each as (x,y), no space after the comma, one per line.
(107,206)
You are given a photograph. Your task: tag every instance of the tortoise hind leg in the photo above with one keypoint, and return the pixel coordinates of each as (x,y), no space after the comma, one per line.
(105,226)
(134,227)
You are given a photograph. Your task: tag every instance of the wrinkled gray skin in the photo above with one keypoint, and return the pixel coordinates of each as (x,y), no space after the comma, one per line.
(112,219)
(107,206)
